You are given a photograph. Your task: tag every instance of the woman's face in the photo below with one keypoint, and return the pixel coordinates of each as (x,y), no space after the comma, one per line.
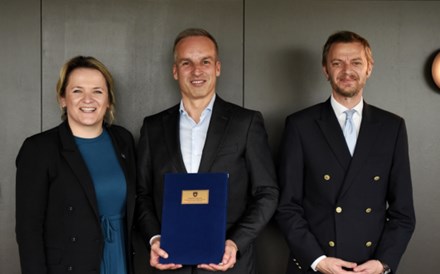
(87,100)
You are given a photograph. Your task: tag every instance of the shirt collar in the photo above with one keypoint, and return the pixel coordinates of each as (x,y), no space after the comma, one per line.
(208,107)
(339,109)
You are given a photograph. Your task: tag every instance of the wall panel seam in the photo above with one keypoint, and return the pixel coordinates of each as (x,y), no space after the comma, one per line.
(41,65)
(244,52)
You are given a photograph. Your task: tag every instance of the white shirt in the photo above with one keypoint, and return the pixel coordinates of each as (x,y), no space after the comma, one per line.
(339,112)
(193,135)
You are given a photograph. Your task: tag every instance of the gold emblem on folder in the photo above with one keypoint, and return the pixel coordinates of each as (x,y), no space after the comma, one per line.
(195,197)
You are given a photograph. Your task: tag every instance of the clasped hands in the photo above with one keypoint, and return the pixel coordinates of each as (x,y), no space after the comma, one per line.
(228,261)
(332,265)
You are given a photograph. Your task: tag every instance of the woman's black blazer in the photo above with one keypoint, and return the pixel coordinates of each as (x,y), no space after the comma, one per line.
(57,220)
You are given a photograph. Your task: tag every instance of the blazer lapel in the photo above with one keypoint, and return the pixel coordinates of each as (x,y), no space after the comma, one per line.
(74,159)
(333,134)
(170,122)
(364,145)
(216,132)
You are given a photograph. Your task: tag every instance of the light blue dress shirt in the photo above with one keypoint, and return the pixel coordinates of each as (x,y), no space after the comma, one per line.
(339,112)
(193,135)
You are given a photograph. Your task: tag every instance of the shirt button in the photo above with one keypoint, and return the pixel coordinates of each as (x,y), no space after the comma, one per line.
(331,244)
(368,244)
(73,239)
(70,268)
(327,177)
(376,178)
(338,209)
(368,210)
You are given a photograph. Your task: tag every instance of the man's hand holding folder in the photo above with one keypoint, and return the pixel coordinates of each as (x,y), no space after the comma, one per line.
(228,261)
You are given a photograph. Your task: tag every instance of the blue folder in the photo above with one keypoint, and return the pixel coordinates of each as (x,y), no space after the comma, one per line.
(194,217)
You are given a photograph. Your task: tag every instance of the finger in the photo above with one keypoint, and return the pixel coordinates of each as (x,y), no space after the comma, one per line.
(215,267)
(347,264)
(229,258)
(168,266)
(348,272)
(154,259)
(359,268)
(159,251)
(226,258)
(219,267)
(229,264)
(206,267)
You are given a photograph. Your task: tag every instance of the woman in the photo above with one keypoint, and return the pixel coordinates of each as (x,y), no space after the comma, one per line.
(76,182)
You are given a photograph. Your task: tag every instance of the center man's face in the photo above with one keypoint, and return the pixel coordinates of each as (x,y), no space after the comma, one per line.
(196,67)
(347,69)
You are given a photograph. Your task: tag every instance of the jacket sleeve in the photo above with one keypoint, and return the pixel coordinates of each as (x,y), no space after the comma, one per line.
(148,223)
(32,191)
(264,188)
(290,215)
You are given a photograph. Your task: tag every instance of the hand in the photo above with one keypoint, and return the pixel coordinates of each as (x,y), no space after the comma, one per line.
(332,265)
(228,261)
(156,253)
(369,267)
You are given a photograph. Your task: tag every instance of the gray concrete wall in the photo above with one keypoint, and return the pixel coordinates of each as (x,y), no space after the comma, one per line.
(270,52)
(20,107)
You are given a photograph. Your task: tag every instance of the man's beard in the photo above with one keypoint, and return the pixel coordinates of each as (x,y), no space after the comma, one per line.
(348,93)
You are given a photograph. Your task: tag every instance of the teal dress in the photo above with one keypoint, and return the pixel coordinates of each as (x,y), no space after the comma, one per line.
(111,191)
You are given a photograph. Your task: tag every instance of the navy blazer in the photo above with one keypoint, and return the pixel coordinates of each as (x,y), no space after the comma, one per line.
(57,221)
(353,208)
(236,143)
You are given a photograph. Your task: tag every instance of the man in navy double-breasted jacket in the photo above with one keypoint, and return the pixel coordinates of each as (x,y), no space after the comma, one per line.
(345,211)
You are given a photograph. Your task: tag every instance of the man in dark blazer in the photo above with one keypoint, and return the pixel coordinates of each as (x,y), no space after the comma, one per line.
(206,134)
(345,209)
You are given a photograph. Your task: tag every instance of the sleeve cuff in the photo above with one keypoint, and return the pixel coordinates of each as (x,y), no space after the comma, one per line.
(154,238)
(316,262)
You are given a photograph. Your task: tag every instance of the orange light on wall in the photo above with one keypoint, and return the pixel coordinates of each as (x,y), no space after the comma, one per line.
(436,70)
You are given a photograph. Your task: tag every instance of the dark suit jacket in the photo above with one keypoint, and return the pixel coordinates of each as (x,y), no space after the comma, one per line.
(335,205)
(58,227)
(236,143)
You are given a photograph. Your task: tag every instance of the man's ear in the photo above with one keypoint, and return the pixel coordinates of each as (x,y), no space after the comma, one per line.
(218,66)
(175,76)
(324,69)
(369,70)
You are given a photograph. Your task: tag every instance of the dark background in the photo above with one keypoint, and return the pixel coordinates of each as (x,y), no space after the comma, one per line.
(270,52)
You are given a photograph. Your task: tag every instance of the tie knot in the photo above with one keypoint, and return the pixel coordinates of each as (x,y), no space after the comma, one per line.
(349,113)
